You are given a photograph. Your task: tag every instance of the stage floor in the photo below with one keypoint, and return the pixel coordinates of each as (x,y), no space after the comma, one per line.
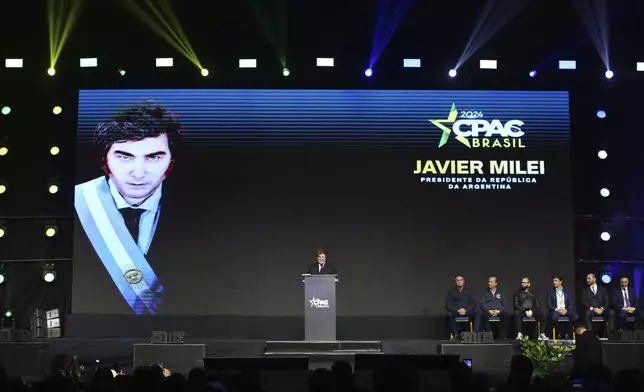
(30,359)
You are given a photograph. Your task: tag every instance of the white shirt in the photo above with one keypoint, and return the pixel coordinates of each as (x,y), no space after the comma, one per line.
(593,288)
(625,295)
(561,298)
(320,266)
(149,218)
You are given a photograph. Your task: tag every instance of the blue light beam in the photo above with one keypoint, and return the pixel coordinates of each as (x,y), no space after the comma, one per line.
(389,15)
(494,16)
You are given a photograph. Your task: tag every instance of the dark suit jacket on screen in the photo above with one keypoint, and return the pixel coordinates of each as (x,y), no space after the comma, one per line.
(329,269)
(601,298)
(618,298)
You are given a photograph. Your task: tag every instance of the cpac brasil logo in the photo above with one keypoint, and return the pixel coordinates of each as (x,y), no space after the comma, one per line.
(474,132)
(319,303)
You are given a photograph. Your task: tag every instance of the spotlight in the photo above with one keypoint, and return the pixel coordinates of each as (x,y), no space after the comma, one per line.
(605,236)
(122,72)
(51,230)
(286,72)
(204,72)
(6,110)
(602,154)
(3,231)
(3,151)
(3,188)
(8,313)
(51,72)
(368,72)
(601,114)
(609,74)
(532,73)
(452,73)
(1,277)
(604,192)
(48,273)
(606,278)
(53,189)
(54,150)
(57,110)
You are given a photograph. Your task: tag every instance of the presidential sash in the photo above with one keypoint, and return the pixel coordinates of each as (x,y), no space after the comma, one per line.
(114,245)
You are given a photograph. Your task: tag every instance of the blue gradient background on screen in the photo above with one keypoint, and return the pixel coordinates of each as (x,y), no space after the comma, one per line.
(363,117)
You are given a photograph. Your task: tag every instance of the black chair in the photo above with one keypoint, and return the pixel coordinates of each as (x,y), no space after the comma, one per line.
(535,325)
(565,322)
(460,322)
(601,320)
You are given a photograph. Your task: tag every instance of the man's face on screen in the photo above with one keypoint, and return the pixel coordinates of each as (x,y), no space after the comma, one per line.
(138,168)
(460,281)
(321,258)
(556,282)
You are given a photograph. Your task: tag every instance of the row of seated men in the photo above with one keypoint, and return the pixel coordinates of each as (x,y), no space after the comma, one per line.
(495,306)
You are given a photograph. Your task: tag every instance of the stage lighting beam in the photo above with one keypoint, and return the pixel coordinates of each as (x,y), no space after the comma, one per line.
(532,73)
(6,110)
(609,74)
(54,150)
(368,72)
(4,151)
(286,72)
(452,73)
(640,66)
(602,154)
(601,114)
(604,192)
(51,71)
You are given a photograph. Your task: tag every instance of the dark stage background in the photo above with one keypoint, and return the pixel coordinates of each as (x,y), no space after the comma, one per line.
(266,176)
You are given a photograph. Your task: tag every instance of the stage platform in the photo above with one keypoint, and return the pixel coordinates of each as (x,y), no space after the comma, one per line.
(31,359)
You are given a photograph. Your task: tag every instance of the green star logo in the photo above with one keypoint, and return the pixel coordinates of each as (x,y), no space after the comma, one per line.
(446,130)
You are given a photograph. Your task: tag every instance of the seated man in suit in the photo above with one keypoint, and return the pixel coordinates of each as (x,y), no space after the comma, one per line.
(321,266)
(596,302)
(460,302)
(560,302)
(493,305)
(527,304)
(625,304)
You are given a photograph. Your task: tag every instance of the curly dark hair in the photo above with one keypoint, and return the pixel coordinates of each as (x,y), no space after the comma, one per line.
(137,123)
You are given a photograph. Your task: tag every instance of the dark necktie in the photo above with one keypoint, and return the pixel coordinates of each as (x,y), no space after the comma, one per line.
(132,217)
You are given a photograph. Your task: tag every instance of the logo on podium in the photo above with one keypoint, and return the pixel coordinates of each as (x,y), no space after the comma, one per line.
(319,303)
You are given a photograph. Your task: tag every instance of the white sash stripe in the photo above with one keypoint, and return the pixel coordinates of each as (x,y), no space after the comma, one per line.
(112,241)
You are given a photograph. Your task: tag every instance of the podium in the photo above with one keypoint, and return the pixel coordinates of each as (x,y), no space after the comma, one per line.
(319,307)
